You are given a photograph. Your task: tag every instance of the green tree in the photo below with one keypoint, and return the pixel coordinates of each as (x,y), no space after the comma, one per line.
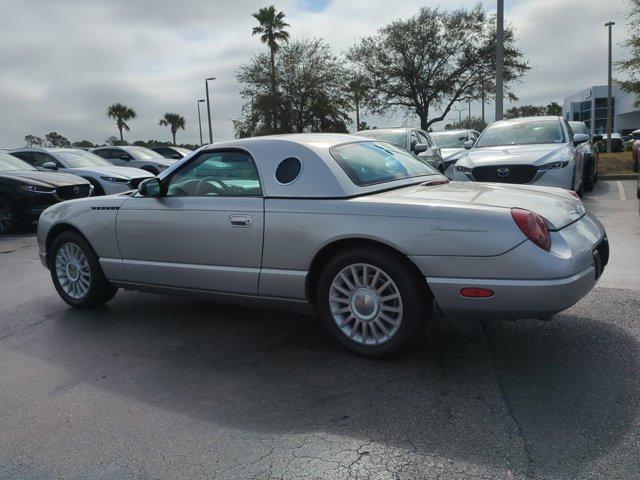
(33,141)
(473,123)
(272,31)
(174,121)
(359,89)
(83,144)
(311,91)
(433,60)
(55,140)
(631,64)
(121,114)
(526,111)
(554,109)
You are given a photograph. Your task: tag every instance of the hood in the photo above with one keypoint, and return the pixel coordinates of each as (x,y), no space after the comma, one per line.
(512,154)
(44,179)
(112,171)
(559,207)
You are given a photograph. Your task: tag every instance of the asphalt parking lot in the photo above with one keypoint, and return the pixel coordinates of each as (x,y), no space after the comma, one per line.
(153,387)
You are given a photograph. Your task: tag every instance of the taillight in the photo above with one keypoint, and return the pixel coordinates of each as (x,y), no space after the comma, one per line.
(533,226)
(573,193)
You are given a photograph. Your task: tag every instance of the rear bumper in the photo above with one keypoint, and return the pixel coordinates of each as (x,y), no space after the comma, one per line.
(512,299)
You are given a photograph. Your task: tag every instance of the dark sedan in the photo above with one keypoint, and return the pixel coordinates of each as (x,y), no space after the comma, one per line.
(589,150)
(26,192)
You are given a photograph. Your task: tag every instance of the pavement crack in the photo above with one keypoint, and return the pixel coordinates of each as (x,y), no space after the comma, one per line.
(529,473)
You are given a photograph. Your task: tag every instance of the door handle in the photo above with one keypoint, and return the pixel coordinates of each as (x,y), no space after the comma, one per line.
(243,221)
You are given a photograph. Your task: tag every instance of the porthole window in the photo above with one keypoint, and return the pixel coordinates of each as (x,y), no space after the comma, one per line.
(288,170)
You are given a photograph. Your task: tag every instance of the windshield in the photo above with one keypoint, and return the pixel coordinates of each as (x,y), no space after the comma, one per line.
(392,136)
(369,163)
(449,139)
(80,159)
(11,163)
(143,153)
(578,127)
(521,133)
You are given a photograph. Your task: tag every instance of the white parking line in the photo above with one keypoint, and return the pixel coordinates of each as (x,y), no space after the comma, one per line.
(623,196)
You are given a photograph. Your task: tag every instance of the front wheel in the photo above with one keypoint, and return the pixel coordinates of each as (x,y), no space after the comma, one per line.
(8,215)
(76,272)
(372,302)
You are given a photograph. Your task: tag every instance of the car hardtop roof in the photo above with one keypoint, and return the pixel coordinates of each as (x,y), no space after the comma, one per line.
(457,130)
(310,140)
(386,129)
(529,119)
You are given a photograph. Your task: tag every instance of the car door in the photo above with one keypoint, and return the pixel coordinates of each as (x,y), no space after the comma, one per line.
(204,233)
(432,152)
(38,159)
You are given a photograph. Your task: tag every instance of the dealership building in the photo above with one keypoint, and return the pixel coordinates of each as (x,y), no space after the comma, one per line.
(590,106)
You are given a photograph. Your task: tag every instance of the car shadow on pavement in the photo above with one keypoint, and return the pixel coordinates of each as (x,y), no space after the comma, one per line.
(524,396)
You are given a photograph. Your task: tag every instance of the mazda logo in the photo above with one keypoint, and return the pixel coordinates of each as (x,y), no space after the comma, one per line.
(503,172)
(76,189)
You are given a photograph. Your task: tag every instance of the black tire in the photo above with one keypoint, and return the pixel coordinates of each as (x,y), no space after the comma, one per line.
(416,300)
(99,291)
(8,215)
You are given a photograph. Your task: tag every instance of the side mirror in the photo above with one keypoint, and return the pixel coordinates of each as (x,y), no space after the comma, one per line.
(50,165)
(597,138)
(468,144)
(176,156)
(151,187)
(420,147)
(579,138)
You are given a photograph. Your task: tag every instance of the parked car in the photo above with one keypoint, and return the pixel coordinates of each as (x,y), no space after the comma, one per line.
(590,155)
(617,142)
(413,140)
(105,177)
(137,157)
(26,192)
(532,150)
(635,149)
(357,228)
(451,143)
(176,153)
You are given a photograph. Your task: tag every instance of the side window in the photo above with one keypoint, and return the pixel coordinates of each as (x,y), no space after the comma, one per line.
(104,153)
(226,173)
(39,159)
(26,156)
(120,155)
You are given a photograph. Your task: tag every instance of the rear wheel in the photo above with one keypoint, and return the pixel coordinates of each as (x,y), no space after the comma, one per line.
(372,301)
(8,215)
(588,177)
(76,272)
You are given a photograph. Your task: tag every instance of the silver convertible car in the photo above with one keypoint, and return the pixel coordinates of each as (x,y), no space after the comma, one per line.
(359,229)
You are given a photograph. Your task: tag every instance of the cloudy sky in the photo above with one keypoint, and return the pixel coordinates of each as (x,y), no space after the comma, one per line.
(63,62)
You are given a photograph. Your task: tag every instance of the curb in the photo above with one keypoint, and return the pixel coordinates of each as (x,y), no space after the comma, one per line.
(618,176)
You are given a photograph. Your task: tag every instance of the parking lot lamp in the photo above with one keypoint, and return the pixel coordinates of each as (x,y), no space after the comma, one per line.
(609,102)
(499,60)
(200,119)
(206,87)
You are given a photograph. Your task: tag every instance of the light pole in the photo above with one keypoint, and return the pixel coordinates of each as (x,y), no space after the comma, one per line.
(459,110)
(469,110)
(609,102)
(499,60)
(200,119)
(206,87)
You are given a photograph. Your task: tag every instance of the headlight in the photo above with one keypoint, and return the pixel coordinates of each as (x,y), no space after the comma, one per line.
(38,188)
(115,179)
(554,165)
(461,169)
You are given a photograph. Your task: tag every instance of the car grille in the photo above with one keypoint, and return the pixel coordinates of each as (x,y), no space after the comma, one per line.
(505,173)
(134,182)
(69,192)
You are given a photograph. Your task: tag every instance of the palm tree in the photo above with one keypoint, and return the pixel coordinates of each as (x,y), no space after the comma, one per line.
(272,32)
(173,120)
(358,88)
(121,113)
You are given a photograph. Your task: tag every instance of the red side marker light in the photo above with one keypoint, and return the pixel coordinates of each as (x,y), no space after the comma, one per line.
(474,292)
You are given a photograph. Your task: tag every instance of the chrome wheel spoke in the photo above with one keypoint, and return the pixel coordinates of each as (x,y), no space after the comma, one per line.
(365,304)
(72,270)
